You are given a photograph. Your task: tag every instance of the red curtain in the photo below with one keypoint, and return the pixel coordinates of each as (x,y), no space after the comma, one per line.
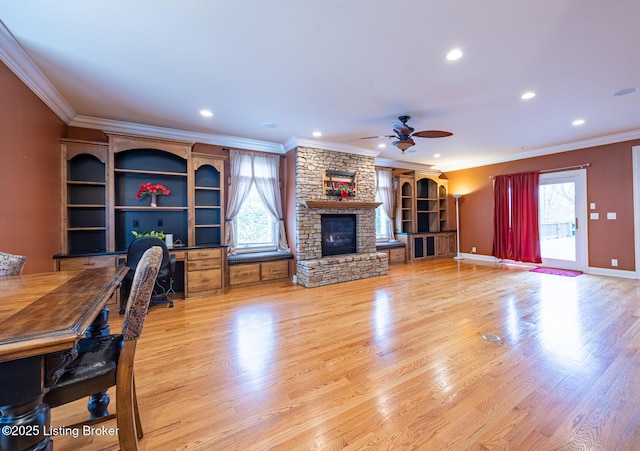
(516,235)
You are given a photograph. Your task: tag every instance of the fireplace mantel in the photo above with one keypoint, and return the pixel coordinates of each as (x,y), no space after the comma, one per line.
(340,204)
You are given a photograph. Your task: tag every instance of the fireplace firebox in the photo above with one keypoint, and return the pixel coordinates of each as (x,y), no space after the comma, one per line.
(338,234)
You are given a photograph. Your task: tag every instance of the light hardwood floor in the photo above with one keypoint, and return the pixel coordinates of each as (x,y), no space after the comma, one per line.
(393,362)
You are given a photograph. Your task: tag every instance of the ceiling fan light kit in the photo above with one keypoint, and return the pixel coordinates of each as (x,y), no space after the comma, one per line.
(404,134)
(404,145)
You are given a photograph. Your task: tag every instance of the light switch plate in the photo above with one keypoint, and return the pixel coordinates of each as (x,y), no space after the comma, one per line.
(611,215)
(594,216)
(592,205)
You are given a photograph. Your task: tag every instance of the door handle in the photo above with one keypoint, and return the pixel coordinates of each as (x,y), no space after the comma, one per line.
(576,223)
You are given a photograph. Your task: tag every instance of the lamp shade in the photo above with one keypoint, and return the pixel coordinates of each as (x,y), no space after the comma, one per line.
(404,145)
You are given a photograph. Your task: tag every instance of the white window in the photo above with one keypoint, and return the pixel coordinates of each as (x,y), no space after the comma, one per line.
(257,231)
(382,230)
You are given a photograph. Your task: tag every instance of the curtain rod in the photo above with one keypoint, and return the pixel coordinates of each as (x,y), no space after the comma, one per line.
(226,149)
(565,168)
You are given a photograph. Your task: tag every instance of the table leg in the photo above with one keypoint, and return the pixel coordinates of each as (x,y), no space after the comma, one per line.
(23,424)
(100,325)
(99,402)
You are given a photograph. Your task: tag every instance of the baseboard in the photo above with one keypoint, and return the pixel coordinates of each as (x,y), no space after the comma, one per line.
(611,272)
(484,258)
(590,270)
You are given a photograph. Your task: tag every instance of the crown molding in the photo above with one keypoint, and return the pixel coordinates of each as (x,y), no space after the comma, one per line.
(20,63)
(108,125)
(422,168)
(566,147)
(294,142)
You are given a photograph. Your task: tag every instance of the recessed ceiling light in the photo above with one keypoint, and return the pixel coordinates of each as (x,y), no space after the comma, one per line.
(625,91)
(269,124)
(454,55)
(317,134)
(528,95)
(382,145)
(437,155)
(206,113)
(578,122)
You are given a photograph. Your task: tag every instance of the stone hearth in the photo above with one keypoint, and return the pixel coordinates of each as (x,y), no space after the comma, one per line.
(312,268)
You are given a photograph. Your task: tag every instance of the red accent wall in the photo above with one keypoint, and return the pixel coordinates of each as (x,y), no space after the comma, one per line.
(29,175)
(609,186)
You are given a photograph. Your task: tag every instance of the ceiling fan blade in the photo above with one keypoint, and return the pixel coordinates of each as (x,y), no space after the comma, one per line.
(432,134)
(381,136)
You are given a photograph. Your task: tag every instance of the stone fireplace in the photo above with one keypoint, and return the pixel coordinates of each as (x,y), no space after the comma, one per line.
(313,203)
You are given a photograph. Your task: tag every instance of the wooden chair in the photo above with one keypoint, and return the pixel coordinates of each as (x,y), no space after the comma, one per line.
(105,361)
(11,265)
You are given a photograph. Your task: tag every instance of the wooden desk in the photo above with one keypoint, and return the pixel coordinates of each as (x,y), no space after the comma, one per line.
(204,271)
(42,317)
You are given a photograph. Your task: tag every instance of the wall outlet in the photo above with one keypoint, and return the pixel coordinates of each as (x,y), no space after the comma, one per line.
(473,250)
(160,222)
(136,223)
(614,262)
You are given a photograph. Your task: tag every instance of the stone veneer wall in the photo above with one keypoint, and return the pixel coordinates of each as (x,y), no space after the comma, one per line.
(313,269)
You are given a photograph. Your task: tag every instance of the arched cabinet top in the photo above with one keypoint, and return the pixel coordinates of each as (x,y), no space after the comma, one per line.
(121,143)
(73,148)
(203,159)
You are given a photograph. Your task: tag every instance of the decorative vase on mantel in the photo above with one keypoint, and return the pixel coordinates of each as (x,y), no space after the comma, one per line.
(154,200)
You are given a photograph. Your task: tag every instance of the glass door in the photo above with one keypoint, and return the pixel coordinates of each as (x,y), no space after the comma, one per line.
(562,219)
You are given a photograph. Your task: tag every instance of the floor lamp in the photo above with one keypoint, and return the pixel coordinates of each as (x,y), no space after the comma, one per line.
(458,256)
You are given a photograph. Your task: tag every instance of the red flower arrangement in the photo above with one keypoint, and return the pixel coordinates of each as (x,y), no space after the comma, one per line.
(344,188)
(150,188)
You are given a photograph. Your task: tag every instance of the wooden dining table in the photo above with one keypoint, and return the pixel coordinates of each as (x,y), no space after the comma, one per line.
(42,318)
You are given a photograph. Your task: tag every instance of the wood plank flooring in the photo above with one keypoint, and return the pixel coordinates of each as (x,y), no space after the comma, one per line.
(392,363)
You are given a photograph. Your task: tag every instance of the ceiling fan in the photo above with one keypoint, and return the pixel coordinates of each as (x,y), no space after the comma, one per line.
(404,134)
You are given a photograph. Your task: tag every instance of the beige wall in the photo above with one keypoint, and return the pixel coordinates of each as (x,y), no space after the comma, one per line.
(609,186)
(29,175)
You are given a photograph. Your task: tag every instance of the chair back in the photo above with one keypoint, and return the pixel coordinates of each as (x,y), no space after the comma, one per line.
(11,265)
(140,245)
(141,291)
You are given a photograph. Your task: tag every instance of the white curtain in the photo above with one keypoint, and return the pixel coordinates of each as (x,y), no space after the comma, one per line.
(241,178)
(384,194)
(248,168)
(266,176)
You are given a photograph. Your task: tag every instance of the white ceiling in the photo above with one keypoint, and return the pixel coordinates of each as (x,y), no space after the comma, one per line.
(346,68)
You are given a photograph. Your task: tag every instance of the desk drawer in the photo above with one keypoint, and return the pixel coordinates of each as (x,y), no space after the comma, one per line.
(180,255)
(210,279)
(204,254)
(73,264)
(200,265)
(275,270)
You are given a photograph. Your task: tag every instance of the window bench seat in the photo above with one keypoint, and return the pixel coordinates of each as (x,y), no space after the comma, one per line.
(258,268)
(395,250)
